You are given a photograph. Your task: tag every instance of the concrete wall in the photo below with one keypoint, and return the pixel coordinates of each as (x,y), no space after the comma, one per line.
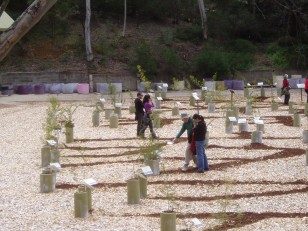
(19,78)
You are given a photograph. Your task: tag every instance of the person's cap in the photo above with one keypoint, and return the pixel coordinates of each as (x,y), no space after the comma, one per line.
(184,115)
(196,116)
(286,76)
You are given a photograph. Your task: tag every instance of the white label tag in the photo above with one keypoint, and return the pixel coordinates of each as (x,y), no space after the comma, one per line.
(147,170)
(232,119)
(259,122)
(248,84)
(197,222)
(260,84)
(51,142)
(178,103)
(241,121)
(169,142)
(118,104)
(55,166)
(165,84)
(102,100)
(90,182)
(300,85)
(204,88)
(196,97)
(159,98)
(159,87)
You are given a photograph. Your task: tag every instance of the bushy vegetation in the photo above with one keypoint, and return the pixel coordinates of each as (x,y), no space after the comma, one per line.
(234,29)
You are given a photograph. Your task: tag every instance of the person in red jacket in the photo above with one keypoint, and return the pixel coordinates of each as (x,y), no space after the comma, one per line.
(306,87)
(285,89)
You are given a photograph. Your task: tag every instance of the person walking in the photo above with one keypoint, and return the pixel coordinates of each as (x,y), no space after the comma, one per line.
(286,89)
(139,112)
(147,118)
(198,133)
(306,87)
(187,125)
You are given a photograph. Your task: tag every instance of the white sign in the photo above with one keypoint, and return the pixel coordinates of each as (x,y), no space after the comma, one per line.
(232,119)
(260,84)
(55,166)
(147,170)
(259,122)
(118,104)
(159,87)
(169,142)
(204,88)
(300,85)
(197,222)
(90,182)
(196,97)
(256,118)
(51,142)
(242,121)
(165,84)
(178,103)
(248,84)
(102,100)
(159,98)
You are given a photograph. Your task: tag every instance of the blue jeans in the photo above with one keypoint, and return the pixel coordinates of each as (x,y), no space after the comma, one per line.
(201,156)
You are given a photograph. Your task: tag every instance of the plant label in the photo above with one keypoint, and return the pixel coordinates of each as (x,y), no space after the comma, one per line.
(232,119)
(241,121)
(260,84)
(165,84)
(90,182)
(51,142)
(248,84)
(55,166)
(178,103)
(147,170)
(118,104)
(259,121)
(159,98)
(204,88)
(196,97)
(169,142)
(197,222)
(102,100)
(300,85)
(159,87)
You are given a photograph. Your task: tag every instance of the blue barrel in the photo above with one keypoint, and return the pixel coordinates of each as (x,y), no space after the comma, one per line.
(238,85)
(68,88)
(293,83)
(55,88)
(39,89)
(228,84)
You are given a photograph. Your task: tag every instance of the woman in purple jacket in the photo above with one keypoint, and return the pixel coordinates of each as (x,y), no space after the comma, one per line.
(148,107)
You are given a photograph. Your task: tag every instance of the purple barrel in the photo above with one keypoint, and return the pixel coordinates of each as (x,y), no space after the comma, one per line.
(228,84)
(68,88)
(238,85)
(23,89)
(83,88)
(39,89)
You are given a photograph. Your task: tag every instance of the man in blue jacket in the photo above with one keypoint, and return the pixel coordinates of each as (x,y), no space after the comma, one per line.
(188,124)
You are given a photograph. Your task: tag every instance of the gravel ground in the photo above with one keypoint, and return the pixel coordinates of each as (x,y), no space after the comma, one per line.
(249,186)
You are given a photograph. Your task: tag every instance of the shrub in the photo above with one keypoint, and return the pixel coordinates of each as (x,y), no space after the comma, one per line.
(278,56)
(191,33)
(208,62)
(172,61)
(241,46)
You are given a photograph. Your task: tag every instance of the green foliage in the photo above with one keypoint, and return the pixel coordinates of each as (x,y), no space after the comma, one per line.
(166,37)
(190,33)
(211,61)
(152,150)
(52,124)
(278,55)
(240,46)
(172,61)
(144,56)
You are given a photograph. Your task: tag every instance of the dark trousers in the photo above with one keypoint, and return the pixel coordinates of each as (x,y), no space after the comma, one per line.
(306,90)
(139,118)
(286,99)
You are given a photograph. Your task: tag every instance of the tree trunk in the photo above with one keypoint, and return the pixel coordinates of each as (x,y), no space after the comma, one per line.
(203,18)
(28,19)
(3,6)
(87,31)
(124,26)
